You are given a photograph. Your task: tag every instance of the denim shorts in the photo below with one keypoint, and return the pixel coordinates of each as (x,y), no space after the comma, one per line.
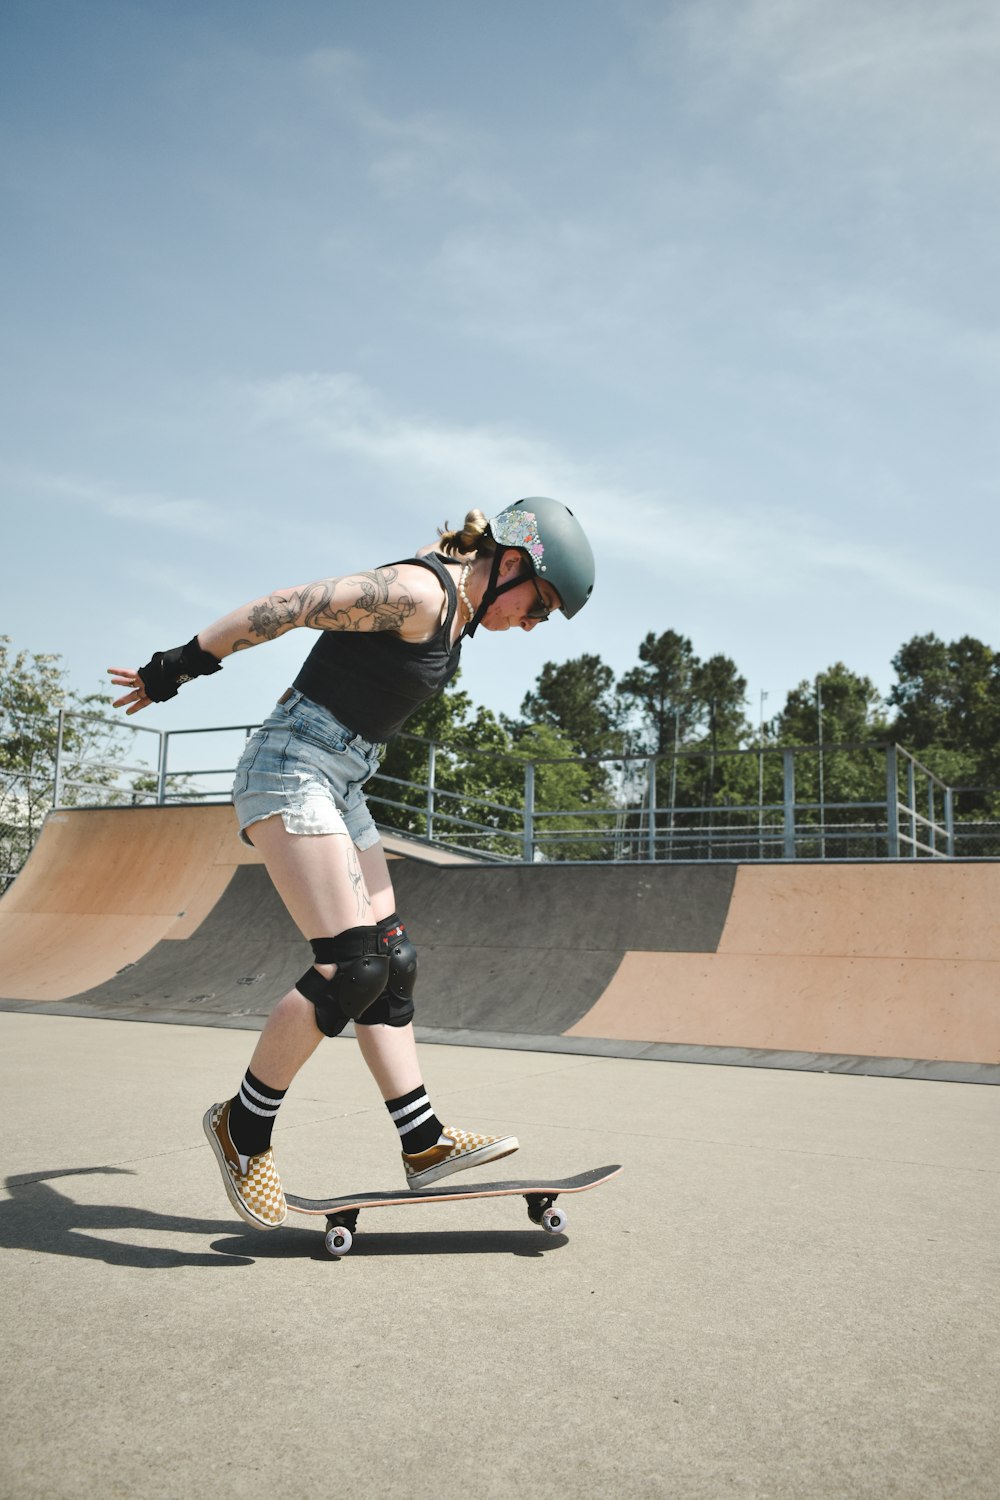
(304,764)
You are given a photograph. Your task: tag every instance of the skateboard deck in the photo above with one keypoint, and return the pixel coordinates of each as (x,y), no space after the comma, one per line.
(342,1213)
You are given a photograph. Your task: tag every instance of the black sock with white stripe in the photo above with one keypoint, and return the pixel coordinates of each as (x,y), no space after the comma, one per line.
(251,1115)
(419,1127)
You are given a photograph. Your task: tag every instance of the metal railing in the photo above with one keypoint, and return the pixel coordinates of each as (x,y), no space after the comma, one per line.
(858,801)
(912,817)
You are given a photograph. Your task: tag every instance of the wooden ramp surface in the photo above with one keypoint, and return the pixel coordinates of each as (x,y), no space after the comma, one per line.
(875,960)
(102,886)
(161,913)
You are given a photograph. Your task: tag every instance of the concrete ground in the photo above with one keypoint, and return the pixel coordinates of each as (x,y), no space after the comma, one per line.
(791,1290)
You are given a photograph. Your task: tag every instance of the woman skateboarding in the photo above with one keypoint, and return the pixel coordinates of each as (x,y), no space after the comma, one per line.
(389,640)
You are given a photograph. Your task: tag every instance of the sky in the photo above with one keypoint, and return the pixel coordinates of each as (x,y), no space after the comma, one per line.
(288,286)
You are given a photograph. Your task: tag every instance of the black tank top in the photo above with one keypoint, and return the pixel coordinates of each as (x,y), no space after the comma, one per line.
(373,681)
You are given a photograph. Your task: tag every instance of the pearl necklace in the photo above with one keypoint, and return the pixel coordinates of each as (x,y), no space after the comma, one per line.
(462,579)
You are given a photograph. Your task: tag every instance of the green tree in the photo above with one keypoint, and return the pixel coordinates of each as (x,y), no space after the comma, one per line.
(479,778)
(681,699)
(719,694)
(33,690)
(660,689)
(577,698)
(947,698)
(695,708)
(838,707)
(691,704)
(924,693)
(564,793)
(470,770)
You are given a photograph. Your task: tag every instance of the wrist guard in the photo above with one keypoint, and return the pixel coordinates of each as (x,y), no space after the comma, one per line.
(169,670)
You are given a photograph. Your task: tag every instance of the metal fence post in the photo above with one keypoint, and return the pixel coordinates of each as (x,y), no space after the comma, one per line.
(529,813)
(651,794)
(431,772)
(57,782)
(161,770)
(911,802)
(949,820)
(788,780)
(892,802)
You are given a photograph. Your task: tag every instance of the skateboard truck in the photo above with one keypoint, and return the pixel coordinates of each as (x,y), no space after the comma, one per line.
(340,1232)
(541,1211)
(341,1228)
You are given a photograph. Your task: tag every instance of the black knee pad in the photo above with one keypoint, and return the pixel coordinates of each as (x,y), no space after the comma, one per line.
(394,1007)
(362,971)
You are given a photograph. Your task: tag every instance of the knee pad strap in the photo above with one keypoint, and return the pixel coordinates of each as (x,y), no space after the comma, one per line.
(362,971)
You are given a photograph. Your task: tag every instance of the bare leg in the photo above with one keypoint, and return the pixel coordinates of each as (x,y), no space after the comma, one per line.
(391,1055)
(289,1039)
(328,885)
(389,1051)
(320,879)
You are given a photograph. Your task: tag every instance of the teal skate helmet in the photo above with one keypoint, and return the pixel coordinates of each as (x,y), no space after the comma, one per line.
(554,546)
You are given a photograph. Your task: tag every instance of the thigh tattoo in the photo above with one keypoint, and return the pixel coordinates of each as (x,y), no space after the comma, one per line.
(357,879)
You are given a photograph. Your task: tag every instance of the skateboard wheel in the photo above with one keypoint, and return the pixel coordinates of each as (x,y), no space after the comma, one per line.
(554,1220)
(339,1240)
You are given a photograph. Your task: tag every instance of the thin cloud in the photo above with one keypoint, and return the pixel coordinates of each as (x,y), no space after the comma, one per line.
(198,520)
(558,289)
(428,151)
(654,532)
(916,68)
(179,584)
(191,518)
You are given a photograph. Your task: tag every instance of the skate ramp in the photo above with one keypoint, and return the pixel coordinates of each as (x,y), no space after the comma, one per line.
(531,949)
(840,961)
(175,919)
(104,887)
(162,914)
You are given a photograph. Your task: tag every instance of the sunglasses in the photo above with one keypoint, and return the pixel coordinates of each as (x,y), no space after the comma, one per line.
(539,612)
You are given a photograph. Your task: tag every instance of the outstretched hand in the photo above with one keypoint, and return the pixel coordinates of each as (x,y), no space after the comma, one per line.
(136,697)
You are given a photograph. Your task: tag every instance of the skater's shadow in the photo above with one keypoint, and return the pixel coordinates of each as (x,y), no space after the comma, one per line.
(38,1217)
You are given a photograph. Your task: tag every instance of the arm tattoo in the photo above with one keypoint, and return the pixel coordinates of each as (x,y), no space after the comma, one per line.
(384,613)
(316,607)
(270,619)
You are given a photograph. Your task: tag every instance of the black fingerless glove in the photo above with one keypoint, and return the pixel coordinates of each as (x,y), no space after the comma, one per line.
(169,670)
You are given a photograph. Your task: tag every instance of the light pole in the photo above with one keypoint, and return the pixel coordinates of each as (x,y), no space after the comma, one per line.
(760,780)
(819,730)
(673,776)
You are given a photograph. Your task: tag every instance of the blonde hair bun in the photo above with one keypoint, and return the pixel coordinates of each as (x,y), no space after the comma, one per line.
(471,537)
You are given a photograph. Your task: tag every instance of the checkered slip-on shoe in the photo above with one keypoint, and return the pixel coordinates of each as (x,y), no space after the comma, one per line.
(455,1150)
(256,1193)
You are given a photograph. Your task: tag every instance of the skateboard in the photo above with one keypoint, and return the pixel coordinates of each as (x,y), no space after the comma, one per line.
(342,1213)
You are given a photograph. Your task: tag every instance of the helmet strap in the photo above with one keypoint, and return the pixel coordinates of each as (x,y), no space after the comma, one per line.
(493,590)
